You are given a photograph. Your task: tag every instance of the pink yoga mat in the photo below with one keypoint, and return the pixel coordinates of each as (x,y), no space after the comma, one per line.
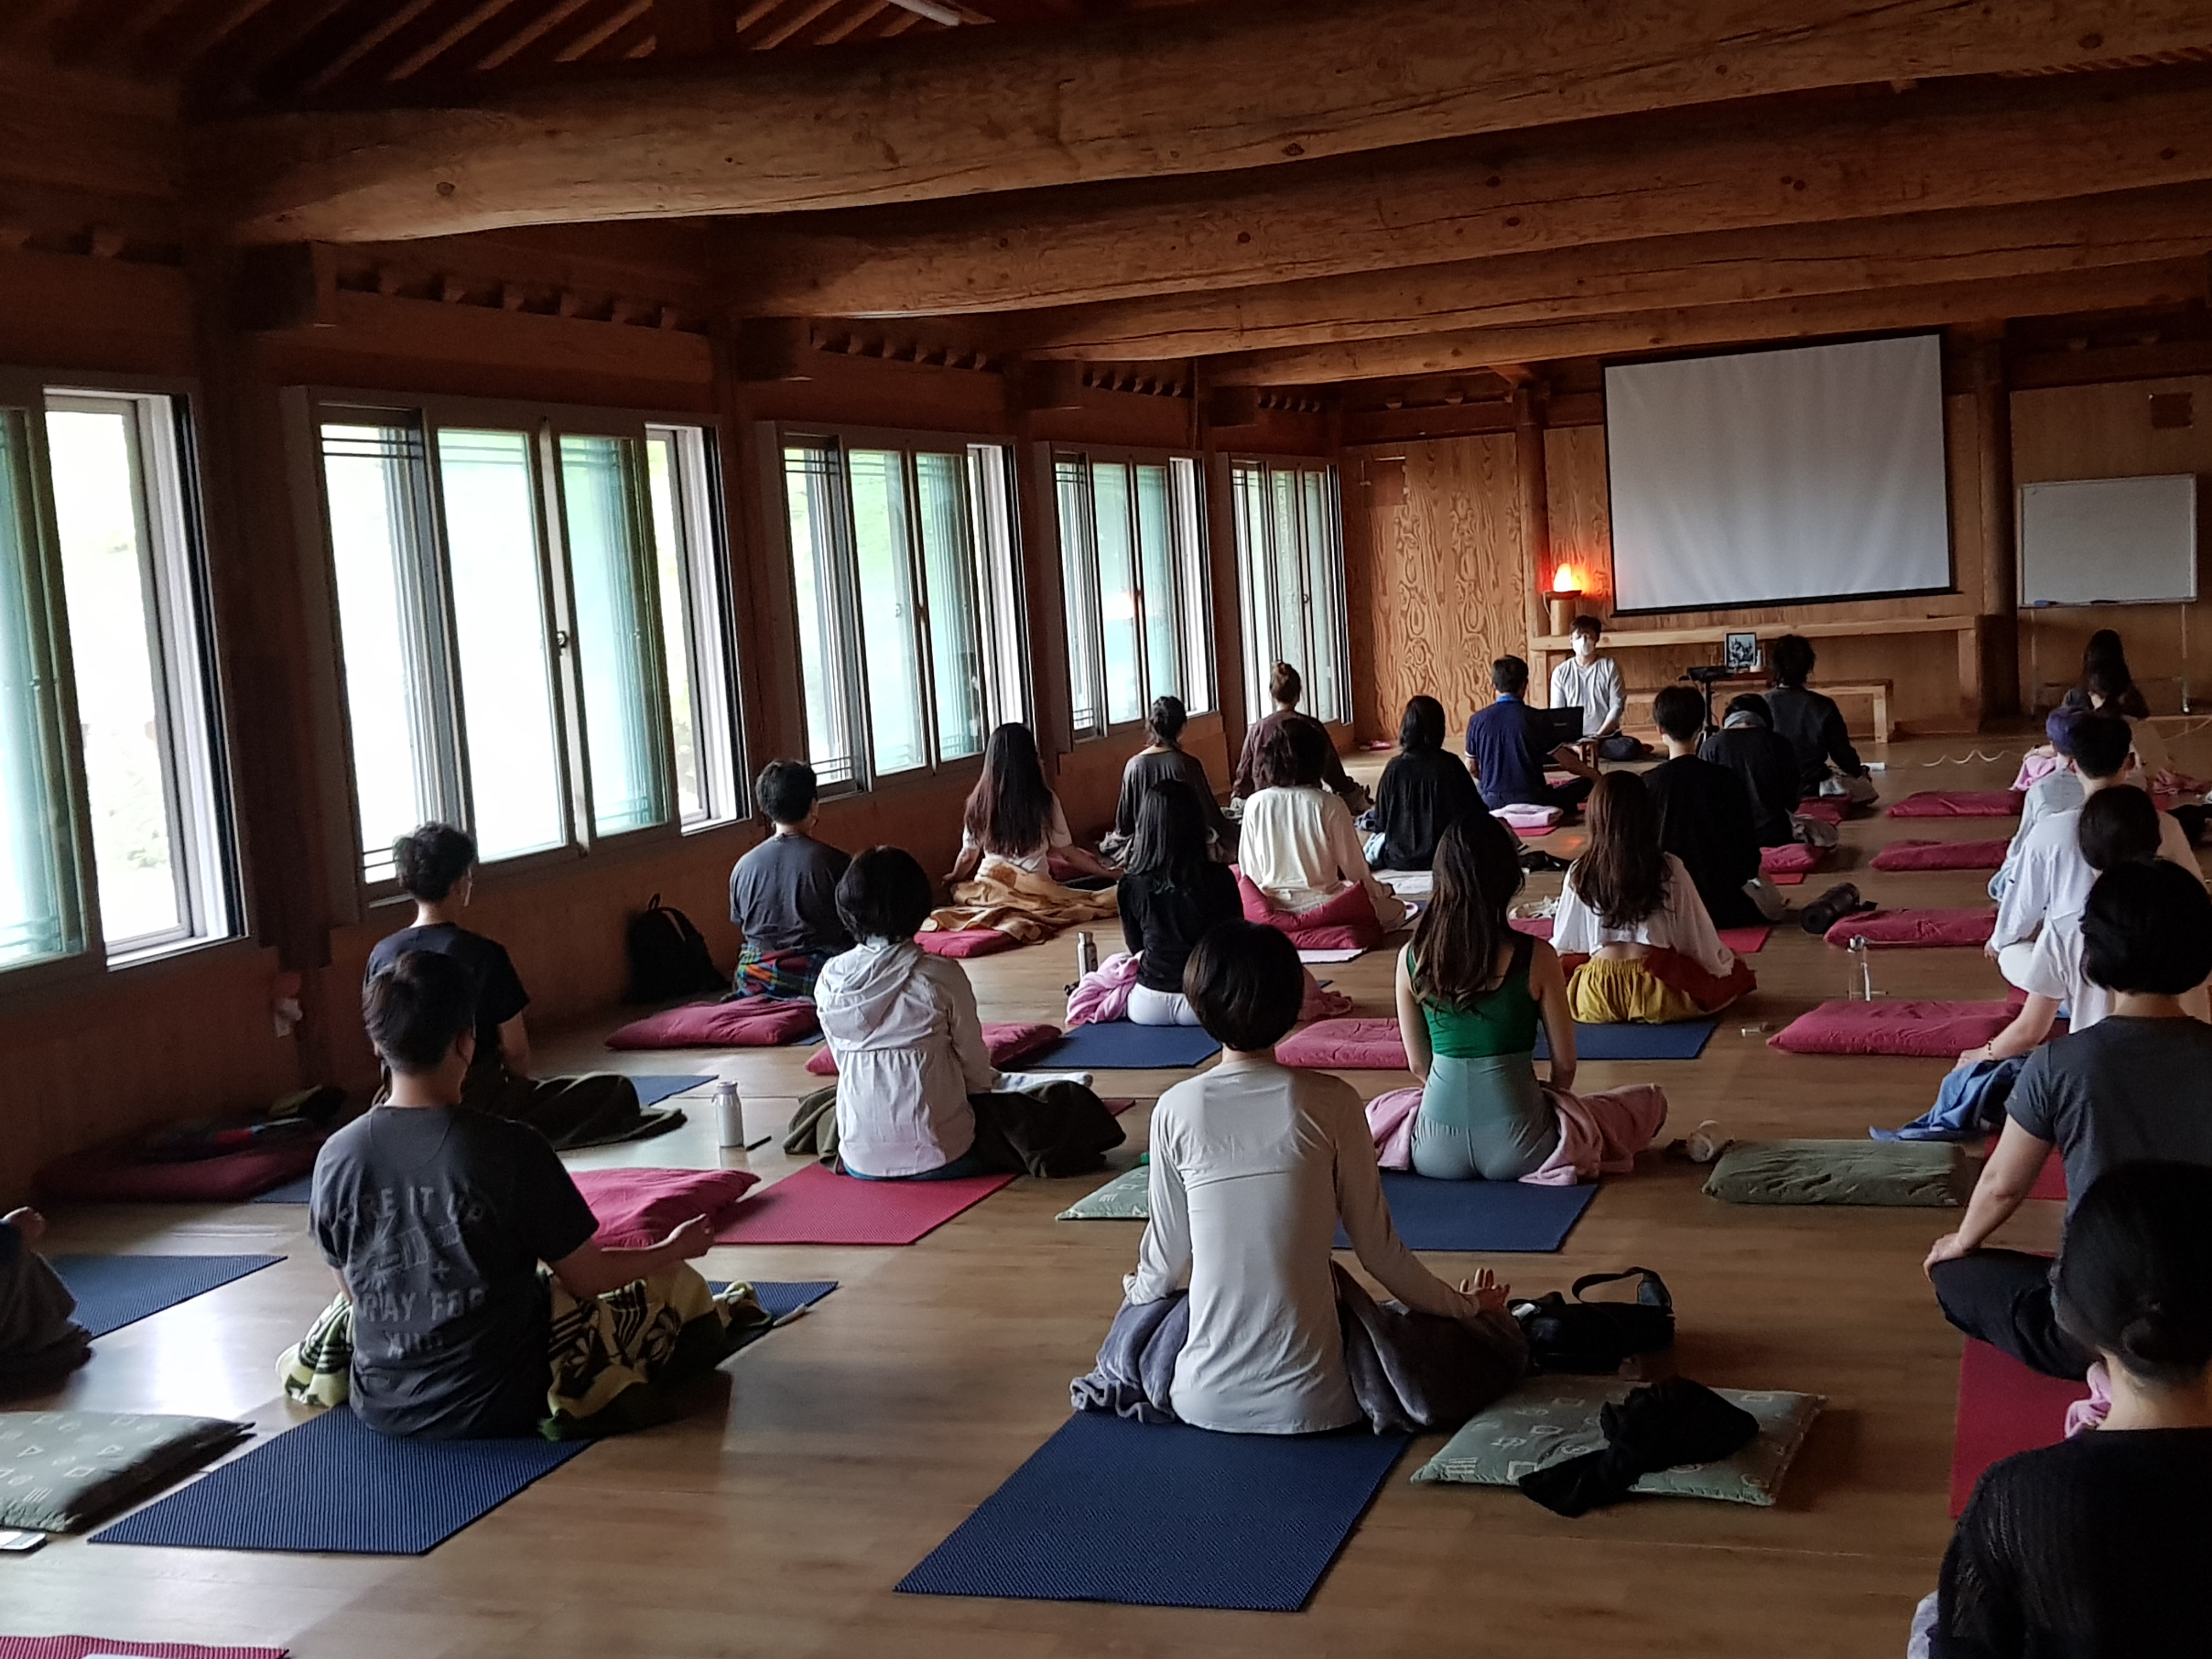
(1744,941)
(75,1647)
(2003,1408)
(817,1205)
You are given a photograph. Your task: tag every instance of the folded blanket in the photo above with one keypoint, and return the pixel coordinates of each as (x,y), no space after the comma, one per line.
(1020,903)
(1346,922)
(1942,855)
(1599,1133)
(1103,994)
(1915,928)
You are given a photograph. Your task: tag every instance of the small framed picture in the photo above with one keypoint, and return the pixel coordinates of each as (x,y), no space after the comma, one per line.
(1741,654)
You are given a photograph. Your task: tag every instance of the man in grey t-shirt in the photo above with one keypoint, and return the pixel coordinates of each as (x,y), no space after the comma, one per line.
(2135,1087)
(783,894)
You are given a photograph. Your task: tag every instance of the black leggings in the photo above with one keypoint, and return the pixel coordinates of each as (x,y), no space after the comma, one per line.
(2003,1297)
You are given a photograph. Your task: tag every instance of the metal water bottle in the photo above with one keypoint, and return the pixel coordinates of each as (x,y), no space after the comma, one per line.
(1086,955)
(729,1114)
(1861,987)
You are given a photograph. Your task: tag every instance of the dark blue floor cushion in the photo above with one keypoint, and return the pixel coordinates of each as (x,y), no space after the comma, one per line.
(1112,1510)
(333,1486)
(1479,1215)
(1684,1041)
(1118,1045)
(652,1090)
(115,1291)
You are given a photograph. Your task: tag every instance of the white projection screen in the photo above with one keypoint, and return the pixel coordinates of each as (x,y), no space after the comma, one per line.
(1811,473)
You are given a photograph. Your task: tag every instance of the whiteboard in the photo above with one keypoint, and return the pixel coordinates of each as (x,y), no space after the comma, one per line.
(2111,541)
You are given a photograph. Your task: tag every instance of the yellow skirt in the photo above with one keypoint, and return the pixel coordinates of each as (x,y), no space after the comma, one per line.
(1605,993)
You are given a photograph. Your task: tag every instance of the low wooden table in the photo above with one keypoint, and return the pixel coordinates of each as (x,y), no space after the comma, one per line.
(1876,691)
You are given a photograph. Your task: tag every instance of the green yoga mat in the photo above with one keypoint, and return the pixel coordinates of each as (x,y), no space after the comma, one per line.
(1125,1198)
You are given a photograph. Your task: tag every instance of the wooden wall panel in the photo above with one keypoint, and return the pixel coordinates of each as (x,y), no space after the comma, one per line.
(2103,431)
(1440,576)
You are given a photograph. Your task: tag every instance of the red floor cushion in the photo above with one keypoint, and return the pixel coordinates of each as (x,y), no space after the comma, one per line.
(110,1174)
(1360,1044)
(1828,809)
(1942,855)
(1910,929)
(746,1023)
(1796,859)
(1935,1031)
(1959,804)
(637,1207)
(1009,1043)
(1347,922)
(967,942)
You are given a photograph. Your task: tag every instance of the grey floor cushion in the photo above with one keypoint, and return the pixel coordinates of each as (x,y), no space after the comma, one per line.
(1922,1174)
(63,1470)
(1549,1419)
(1126,1197)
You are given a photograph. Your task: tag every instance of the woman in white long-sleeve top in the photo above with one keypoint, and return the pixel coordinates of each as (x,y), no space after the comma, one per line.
(1252,1166)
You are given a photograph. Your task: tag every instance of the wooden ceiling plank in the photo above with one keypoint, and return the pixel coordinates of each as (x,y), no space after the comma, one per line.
(259,43)
(633,29)
(366,45)
(991,109)
(192,32)
(1722,267)
(797,22)
(1692,328)
(2020,141)
(844,29)
(449,34)
(532,31)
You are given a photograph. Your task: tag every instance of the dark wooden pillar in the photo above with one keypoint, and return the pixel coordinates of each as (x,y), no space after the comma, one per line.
(2000,595)
(1532,495)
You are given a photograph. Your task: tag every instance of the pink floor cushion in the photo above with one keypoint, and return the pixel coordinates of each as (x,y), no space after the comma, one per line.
(1355,1044)
(109,1174)
(1828,809)
(1347,922)
(967,942)
(1915,929)
(1942,855)
(1933,1030)
(637,1207)
(1744,941)
(1795,859)
(747,1023)
(1009,1043)
(1959,804)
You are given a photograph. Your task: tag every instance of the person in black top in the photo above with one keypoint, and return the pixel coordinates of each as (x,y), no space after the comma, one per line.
(2107,680)
(1161,760)
(783,893)
(1747,746)
(1172,895)
(1424,792)
(435,1218)
(1814,726)
(2097,1545)
(1704,816)
(437,866)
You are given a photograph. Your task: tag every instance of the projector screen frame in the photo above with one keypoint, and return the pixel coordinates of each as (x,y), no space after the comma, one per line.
(1950,528)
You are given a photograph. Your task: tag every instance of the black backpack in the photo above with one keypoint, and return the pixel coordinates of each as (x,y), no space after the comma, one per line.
(668,955)
(1591,1339)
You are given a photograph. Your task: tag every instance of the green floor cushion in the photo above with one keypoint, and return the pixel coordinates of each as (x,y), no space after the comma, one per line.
(63,1470)
(1921,1175)
(1126,1197)
(1549,1419)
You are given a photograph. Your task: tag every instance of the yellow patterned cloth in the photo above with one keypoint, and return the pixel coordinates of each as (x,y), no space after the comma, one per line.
(610,1355)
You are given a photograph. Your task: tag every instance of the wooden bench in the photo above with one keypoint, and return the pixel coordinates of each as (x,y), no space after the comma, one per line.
(1877,692)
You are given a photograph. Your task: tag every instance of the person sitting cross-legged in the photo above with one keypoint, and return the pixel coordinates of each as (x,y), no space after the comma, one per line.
(1424,792)
(472,1302)
(39,1343)
(1705,817)
(783,893)
(1592,684)
(1814,726)
(1172,894)
(1503,749)
(2137,1084)
(1748,745)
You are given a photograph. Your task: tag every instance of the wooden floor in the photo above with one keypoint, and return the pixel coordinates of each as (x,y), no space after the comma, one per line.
(831,1457)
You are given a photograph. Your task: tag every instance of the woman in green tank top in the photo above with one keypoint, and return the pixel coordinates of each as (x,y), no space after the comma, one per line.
(1471,992)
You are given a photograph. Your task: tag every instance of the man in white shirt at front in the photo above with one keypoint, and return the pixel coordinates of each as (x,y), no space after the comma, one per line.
(1592,684)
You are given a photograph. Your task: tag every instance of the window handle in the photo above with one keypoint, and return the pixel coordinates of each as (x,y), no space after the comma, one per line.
(560,639)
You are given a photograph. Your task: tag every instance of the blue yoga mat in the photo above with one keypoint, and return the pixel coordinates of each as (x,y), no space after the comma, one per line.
(115,1291)
(333,1486)
(1479,1215)
(781,1298)
(651,1091)
(1151,1517)
(1119,1045)
(1685,1040)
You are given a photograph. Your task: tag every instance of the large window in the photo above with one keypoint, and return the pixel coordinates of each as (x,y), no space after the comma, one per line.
(1133,572)
(532,623)
(1290,561)
(113,812)
(908,599)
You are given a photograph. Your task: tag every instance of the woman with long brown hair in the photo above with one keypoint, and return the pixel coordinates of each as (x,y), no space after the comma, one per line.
(1631,925)
(1013,816)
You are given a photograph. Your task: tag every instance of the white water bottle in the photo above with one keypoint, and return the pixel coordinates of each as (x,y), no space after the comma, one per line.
(1862,970)
(729,1114)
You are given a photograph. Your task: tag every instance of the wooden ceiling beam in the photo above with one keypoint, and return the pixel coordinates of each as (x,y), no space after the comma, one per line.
(1664,272)
(998,109)
(2021,141)
(1688,329)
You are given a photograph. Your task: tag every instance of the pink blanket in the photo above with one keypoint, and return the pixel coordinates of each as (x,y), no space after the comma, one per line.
(1599,1133)
(1942,855)
(1933,1030)
(1958,804)
(1103,992)
(1915,929)
(747,1023)
(2033,767)
(642,1207)
(1356,1045)
(1007,1044)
